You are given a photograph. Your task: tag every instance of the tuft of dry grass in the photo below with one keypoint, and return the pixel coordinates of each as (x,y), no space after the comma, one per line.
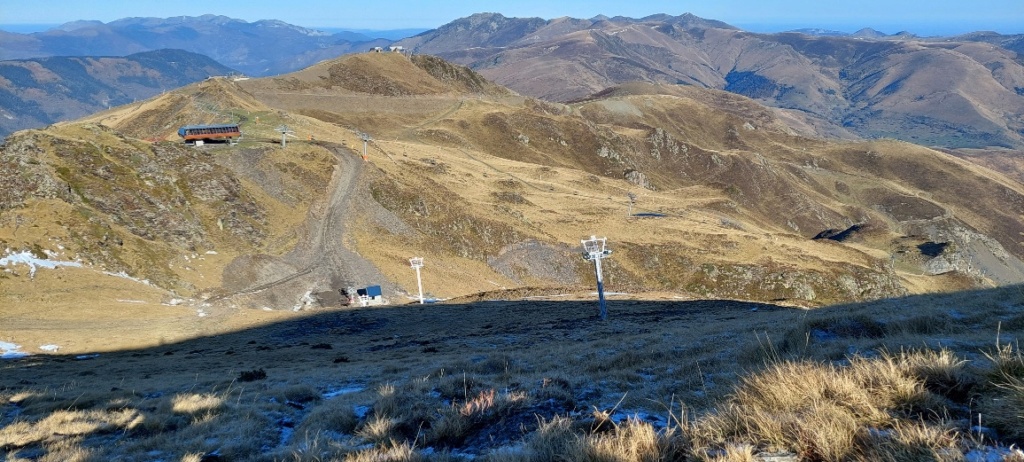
(820,411)
(910,441)
(1004,407)
(62,424)
(458,421)
(554,439)
(636,441)
(196,403)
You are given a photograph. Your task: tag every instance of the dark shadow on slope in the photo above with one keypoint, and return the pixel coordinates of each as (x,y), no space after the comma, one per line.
(690,351)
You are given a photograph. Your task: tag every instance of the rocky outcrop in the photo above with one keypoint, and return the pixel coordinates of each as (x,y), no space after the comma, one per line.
(969,252)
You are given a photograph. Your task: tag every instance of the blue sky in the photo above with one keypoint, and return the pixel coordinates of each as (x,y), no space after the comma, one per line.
(924,17)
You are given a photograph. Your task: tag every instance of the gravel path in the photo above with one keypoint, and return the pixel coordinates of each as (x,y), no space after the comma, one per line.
(320,262)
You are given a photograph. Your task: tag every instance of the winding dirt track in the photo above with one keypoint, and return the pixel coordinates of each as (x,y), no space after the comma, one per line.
(320,260)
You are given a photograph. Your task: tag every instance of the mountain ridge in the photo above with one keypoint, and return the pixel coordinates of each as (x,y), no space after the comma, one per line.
(845,87)
(866,85)
(264,47)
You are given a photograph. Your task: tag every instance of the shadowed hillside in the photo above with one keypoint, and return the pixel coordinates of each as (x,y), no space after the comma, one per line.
(532,380)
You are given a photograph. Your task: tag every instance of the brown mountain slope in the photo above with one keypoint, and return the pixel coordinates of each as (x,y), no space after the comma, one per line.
(385,74)
(949,93)
(496,190)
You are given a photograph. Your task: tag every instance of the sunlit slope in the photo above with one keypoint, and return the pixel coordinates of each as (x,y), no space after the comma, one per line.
(496,190)
(709,152)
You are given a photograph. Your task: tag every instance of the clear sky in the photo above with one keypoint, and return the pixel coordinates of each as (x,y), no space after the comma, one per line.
(923,17)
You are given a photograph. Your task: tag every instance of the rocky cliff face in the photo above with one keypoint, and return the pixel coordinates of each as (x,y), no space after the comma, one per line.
(953,247)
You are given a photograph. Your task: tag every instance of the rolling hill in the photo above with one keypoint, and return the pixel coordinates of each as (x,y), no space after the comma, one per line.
(948,92)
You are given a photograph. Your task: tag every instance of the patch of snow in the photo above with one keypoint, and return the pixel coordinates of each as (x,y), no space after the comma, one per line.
(993,454)
(657,421)
(201,313)
(83,357)
(27,258)
(516,451)
(122,274)
(306,301)
(343,391)
(361,411)
(211,252)
(51,348)
(11,351)
(122,300)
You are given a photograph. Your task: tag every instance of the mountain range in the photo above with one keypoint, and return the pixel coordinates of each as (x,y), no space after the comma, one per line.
(264,47)
(964,92)
(40,91)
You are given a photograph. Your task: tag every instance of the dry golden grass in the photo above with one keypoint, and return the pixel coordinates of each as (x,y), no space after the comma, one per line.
(538,381)
(819,411)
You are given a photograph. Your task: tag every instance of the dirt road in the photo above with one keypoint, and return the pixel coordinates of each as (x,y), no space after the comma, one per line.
(320,262)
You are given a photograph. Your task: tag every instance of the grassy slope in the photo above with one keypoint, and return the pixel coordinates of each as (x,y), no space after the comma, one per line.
(710,376)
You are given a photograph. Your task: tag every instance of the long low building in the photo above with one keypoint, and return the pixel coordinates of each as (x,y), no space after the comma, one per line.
(209,132)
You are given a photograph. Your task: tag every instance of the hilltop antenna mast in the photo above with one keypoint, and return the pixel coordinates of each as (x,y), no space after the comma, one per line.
(632,200)
(417,263)
(285,133)
(594,249)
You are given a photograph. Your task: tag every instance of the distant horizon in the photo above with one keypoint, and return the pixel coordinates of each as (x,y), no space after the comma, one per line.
(921,29)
